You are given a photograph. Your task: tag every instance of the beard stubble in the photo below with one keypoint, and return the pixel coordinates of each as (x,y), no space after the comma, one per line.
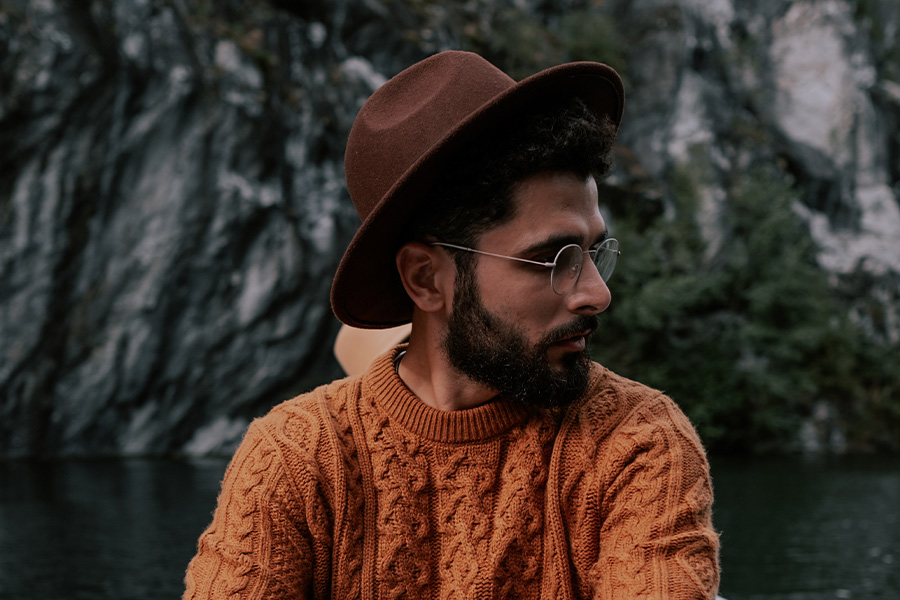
(494,352)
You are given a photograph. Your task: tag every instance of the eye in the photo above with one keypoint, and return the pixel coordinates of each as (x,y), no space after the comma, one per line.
(546,257)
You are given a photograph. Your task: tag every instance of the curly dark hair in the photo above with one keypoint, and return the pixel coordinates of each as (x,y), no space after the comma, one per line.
(474,194)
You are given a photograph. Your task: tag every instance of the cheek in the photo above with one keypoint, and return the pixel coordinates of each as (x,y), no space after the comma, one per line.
(529,302)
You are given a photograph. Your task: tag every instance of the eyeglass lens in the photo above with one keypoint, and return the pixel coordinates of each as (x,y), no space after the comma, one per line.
(570,260)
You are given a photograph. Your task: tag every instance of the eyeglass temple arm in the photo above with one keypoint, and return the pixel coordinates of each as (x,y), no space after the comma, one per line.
(524,260)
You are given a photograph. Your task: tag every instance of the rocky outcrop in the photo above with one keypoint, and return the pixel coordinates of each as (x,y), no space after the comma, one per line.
(173,209)
(812,85)
(172,205)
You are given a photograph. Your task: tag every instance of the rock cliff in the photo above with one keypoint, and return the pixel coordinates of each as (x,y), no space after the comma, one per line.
(172,205)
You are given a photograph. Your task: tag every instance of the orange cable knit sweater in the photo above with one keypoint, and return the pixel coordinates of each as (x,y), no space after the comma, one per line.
(360,490)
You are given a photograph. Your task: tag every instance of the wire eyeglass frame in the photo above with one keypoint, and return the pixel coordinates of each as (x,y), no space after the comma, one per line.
(566,267)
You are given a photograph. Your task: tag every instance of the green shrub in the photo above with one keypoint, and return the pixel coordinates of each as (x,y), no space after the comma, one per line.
(521,42)
(591,35)
(746,340)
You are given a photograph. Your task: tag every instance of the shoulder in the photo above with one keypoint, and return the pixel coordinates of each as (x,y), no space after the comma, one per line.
(616,406)
(299,424)
(626,432)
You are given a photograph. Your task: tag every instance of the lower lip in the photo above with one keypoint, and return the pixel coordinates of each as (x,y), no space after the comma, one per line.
(574,344)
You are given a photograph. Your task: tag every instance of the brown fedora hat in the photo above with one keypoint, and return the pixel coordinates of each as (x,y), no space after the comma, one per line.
(402,136)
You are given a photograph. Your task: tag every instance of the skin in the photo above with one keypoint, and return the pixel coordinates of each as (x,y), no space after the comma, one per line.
(556,208)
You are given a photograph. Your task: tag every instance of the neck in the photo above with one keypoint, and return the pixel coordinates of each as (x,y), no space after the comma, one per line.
(427,373)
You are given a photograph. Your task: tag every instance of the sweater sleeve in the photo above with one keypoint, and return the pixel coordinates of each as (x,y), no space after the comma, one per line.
(259,544)
(656,534)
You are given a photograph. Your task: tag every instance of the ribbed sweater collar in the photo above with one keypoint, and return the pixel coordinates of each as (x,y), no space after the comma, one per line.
(382,383)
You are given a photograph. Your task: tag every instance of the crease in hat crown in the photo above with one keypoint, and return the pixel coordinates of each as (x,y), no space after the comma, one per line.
(405,131)
(409,114)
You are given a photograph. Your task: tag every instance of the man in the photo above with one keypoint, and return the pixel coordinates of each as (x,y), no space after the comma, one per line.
(488,457)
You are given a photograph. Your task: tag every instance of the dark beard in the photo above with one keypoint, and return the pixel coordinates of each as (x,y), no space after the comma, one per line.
(493,352)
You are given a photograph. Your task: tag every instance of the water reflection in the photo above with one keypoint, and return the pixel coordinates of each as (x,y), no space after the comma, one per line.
(792,529)
(101,529)
(808,529)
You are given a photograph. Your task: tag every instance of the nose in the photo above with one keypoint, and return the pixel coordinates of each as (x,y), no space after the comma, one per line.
(590,295)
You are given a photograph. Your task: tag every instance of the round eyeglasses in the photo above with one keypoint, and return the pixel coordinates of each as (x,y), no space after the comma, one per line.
(566,267)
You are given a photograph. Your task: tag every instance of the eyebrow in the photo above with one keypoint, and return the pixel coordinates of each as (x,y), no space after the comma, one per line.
(556,242)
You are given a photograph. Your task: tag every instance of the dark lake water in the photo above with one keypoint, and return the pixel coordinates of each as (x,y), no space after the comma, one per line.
(792,529)
(803,529)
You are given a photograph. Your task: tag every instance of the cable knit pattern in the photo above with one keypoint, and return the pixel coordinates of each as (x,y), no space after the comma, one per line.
(359,490)
(349,505)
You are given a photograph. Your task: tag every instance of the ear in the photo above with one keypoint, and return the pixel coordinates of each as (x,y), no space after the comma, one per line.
(427,275)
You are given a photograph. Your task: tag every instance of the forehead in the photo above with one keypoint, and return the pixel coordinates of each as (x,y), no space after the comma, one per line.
(551,206)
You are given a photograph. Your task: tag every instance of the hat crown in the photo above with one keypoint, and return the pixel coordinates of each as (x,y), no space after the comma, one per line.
(409,114)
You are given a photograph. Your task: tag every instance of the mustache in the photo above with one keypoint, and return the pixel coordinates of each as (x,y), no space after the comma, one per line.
(575,327)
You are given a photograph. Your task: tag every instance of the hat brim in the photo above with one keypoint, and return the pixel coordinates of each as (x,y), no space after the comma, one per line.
(367,292)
